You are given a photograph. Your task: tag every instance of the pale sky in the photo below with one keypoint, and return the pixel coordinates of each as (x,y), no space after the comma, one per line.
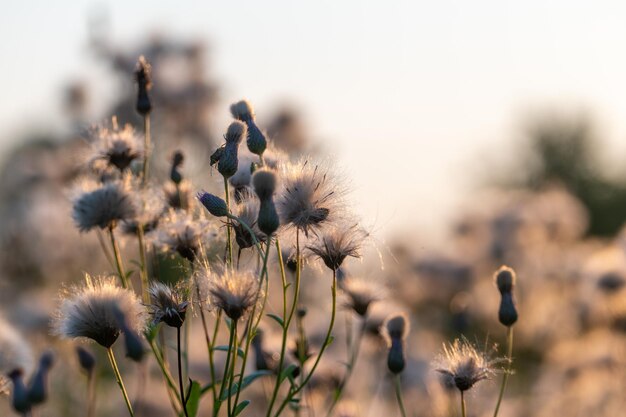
(412,95)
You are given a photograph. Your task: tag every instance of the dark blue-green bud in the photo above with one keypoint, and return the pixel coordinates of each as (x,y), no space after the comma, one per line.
(395,358)
(228,160)
(264,183)
(19,401)
(507,313)
(256,140)
(86,359)
(38,387)
(215,205)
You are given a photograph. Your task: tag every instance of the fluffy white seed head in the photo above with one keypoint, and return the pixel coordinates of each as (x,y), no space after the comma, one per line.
(102,205)
(463,365)
(361,294)
(168,304)
(116,147)
(92,310)
(337,242)
(179,232)
(310,196)
(233,292)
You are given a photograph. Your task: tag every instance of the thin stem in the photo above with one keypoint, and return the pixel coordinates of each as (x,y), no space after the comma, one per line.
(354,353)
(251,329)
(231,342)
(180,373)
(103,245)
(144,266)
(91,394)
(398,388)
(463,410)
(118,258)
(505,376)
(325,344)
(231,409)
(146,148)
(169,381)
(287,317)
(207,339)
(120,382)
(229,244)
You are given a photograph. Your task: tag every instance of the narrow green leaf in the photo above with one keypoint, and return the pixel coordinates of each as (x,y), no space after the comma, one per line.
(330,341)
(287,372)
(224,348)
(277,319)
(247,380)
(193,399)
(241,406)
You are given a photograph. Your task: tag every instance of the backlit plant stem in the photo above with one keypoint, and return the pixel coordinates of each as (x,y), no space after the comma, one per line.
(505,376)
(119,380)
(118,258)
(398,389)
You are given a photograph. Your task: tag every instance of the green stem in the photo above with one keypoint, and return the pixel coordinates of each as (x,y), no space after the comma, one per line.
(91,394)
(231,342)
(463,409)
(118,258)
(120,382)
(354,353)
(207,339)
(505,376)
(180,373)
(229,244)
(325,344)
(251,329)
(398,389)
(287,317)
(169,381)
(145,285)
(257,244)
(146,148)
(231,409)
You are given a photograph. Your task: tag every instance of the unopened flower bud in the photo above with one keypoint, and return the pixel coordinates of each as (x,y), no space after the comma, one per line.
(86,359)
(395,330)
(177,161)
(215,205)
(19,401)
(143,76)
(505,281)
(132,341)
(395,357)
(228,160)
(256,141)
(264,183)
(37,390)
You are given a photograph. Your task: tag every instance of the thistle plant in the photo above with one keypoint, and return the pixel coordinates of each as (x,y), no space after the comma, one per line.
(143,77)
(395,330)
(256,140)
(507,315)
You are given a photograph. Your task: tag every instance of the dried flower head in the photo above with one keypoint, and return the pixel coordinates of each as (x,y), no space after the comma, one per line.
(150,206)
(143,77)
(335,243)
(247,211)
(233,292)
(102,205)
(90,311)
(15,353)
(116,147)
(361,294)
(168,305)
(256,140)
(462,364)
(179,233)
(310,196)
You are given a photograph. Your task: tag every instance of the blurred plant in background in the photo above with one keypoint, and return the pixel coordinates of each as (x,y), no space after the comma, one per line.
(257,304)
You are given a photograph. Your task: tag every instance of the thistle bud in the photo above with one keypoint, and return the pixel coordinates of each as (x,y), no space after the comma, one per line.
(395,330)
(177,162)
(264,183)
(37,390)
(256,141)
(505,281)
(228,160)
(86,359)
(19,401)
(215,205)
(143,77)
(132,341)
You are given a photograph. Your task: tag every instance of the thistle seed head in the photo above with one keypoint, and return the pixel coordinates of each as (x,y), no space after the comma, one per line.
(335,243)
(90,311)
(310,197)
(117,147)
(103,206)
(168,305)
(179,233)
(462,364)
(361,294)
(233,292)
